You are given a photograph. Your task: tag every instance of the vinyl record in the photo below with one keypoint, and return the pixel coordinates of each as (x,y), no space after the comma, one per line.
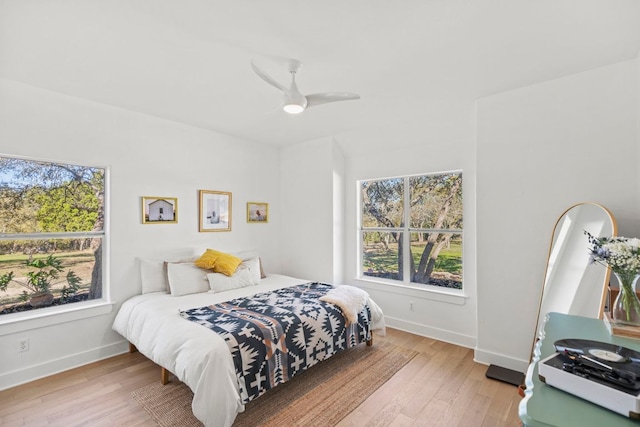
(603,351)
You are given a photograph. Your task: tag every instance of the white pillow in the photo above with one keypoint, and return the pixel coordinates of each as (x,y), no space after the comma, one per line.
(152,275)
(253,265)
(219,282)
(186,278)
(245,255)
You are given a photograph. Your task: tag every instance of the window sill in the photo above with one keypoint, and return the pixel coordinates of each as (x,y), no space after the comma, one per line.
(34,319)
(435,293)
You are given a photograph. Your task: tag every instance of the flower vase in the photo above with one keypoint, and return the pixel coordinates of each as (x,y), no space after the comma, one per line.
(626,308)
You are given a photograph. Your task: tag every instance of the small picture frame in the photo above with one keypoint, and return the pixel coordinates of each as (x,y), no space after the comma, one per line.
(159,210)
(257,212)
(215,211)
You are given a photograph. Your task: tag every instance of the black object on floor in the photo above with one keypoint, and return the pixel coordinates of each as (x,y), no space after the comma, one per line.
(505,375)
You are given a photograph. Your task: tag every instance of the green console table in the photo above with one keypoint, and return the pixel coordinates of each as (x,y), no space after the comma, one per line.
(543,405)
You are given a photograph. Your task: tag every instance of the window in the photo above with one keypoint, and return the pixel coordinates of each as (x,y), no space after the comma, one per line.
(51,234)
(411,229)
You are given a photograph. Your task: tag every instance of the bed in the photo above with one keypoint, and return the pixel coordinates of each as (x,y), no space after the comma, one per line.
(166,329)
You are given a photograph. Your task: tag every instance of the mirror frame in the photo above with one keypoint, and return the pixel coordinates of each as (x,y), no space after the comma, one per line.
(607,275)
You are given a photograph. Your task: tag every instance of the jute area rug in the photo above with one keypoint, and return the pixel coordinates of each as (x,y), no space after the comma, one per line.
(320,396)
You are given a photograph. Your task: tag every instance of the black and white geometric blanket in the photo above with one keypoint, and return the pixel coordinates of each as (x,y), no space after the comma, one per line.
(275,335)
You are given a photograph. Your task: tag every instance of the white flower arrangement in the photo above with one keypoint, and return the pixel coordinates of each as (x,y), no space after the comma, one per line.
(622,254)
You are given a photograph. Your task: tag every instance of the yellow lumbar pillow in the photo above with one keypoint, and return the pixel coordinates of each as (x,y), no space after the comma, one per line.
(207,260)
(224,263)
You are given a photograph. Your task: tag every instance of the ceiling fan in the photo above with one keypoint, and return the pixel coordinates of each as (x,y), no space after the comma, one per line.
(294,101)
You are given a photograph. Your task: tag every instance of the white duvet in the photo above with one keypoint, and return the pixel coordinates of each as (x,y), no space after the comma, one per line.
(198,357)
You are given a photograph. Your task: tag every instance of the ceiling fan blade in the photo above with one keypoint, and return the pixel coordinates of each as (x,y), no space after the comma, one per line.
(267,78)
(323,98)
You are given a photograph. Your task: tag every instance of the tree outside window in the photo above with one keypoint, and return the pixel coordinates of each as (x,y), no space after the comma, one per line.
(51,233)
(411,229)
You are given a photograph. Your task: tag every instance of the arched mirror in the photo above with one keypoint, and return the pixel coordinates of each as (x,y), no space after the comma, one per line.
(573,285)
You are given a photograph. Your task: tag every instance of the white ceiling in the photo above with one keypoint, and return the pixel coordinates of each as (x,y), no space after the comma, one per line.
(411,61)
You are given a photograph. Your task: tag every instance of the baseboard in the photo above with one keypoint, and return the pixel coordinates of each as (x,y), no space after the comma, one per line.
(489,358)
(35,372)
(430,332)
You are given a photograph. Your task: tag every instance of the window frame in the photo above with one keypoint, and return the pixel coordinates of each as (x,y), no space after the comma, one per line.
(406,232)
(47,316)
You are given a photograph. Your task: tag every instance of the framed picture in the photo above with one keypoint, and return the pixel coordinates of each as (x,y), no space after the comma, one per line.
(159,210)
(215,211)
(257,212)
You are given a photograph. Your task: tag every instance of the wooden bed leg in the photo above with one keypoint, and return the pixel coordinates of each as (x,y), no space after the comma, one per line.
(164,376)
(132,348)
(370,341)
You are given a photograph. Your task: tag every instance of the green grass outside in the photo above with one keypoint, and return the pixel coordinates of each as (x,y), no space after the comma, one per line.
(449,259)
(379,260)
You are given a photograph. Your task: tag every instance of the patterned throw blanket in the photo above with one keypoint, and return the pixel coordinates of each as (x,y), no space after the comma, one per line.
(275,335)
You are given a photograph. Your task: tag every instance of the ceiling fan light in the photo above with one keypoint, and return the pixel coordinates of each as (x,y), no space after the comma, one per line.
(293,102)
(292,108)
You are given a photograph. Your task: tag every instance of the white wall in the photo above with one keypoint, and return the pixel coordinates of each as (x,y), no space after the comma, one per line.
(310,245)
(146,156)
(320,243)
(339,214)
(435,315)
(638,128)
(541,149)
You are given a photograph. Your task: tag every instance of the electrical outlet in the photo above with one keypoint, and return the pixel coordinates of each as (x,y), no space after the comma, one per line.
(23,345)
(410,306)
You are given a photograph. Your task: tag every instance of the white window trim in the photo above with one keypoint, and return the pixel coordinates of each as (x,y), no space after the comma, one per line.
(430,292)
(43,317)
(438,293)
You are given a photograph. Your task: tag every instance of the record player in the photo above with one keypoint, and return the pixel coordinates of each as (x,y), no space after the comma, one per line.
(602,373)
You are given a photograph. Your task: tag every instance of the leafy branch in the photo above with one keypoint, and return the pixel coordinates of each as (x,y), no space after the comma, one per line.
(43,278)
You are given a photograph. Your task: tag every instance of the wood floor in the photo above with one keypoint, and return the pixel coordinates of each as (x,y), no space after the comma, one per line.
(442,386)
